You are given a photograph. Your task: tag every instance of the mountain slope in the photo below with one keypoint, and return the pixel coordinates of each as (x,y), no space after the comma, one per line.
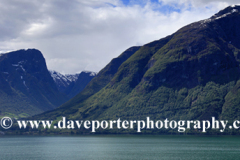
(82,80)
(191,74)
(95,85)
(167,83)
(26,87)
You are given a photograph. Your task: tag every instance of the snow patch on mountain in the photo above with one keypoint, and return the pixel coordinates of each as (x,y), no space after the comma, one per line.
(19,65)
(226,14)
(71,84)
(90,73)
(68,78)
(216,16)
(72,77)
(235,5)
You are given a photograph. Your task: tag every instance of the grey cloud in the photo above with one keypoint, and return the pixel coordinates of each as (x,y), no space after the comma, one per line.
(16,16)
(85,34)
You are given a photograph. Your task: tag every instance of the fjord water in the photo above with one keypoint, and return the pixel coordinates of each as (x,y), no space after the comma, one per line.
(120,147)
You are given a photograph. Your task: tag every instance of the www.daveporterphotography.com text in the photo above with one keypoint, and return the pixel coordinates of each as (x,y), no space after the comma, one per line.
(138,125)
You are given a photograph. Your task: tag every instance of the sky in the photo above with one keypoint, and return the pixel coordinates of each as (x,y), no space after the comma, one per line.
(78,35)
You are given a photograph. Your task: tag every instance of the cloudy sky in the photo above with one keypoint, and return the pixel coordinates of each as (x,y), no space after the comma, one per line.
(77,35)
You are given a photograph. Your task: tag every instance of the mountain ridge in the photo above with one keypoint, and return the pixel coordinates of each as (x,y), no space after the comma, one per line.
(72,84)
(192,74)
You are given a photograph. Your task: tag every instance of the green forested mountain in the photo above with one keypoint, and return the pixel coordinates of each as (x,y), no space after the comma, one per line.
(191,74)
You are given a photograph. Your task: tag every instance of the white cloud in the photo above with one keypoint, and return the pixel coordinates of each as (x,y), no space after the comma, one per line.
(81,35)
(200,3)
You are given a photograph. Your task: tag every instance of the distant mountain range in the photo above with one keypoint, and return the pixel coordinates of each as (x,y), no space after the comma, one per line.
(72,84)
(63,81)
(27,88)
(191,74)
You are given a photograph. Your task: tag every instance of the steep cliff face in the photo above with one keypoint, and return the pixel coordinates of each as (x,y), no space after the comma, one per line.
(26,87)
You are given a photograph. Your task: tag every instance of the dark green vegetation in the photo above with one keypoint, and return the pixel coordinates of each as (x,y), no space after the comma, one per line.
(26,87)
(192,74)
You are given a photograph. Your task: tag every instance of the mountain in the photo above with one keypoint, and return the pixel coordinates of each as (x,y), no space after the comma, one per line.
(95,85)
(193,74)
(63,81)
(26,87)
(82,80)
(72,84)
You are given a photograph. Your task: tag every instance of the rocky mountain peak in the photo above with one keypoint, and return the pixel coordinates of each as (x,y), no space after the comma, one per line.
(231,10)
(72,84)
